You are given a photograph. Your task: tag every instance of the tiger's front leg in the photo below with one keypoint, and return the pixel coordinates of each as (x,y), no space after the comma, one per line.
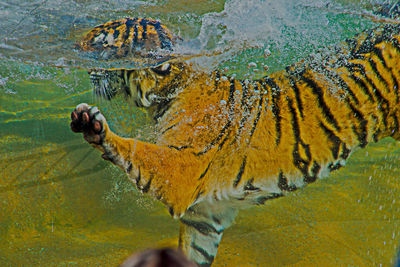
(167,174)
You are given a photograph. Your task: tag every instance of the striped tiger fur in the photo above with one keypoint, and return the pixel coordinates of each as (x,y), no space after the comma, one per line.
(128,37)
(226,143)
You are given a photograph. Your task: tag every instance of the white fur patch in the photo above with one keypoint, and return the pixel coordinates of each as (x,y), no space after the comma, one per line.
(99,38)
(110,39)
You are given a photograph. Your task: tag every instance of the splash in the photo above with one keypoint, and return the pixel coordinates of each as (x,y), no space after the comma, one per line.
(257,37)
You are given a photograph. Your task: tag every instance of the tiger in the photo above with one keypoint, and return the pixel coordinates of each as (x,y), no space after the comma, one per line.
(225,143)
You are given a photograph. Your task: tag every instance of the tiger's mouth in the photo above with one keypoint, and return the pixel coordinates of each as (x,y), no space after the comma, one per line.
(104,83)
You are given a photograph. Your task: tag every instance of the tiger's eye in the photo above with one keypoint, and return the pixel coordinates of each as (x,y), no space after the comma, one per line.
(163,69)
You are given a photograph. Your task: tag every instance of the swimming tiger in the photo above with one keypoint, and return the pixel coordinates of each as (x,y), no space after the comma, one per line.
(225,143)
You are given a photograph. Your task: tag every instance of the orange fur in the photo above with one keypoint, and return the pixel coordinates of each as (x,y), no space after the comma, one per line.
(225,142)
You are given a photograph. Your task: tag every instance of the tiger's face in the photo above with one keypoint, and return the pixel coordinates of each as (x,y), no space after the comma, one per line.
(144,87)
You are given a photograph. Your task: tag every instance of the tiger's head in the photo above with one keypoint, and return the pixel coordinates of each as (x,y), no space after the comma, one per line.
(144,87)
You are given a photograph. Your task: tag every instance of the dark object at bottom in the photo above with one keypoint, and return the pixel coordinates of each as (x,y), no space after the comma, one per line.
(164,257)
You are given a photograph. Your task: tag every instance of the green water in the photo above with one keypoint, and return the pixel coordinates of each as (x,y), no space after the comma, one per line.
(62,205)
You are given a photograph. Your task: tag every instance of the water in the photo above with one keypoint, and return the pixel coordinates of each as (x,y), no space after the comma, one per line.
(62,205)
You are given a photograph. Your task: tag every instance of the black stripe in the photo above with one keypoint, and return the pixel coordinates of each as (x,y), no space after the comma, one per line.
(140,93)
(216,79)
(144,22)
(378,131)
(298,97)
(165,104)
(320,97)
(396,125)
(240,173)
(344,85)
(295,123)
(129,23)
(362,45)
(215,195)
(378,74)
(171,211)
(226,126)
(345,151)
(397,47)
(249,186)
(261,200)
(383,103)
(203,252)
(224,140)
(135,38)
(383,106)
(333,167)
(125,35)
(164,39)
(125,82)
(128,90)
(298,161)
(169,128)
(231,93)
(314,173)
(283,183)
(361,133)
(205,171)
(375,135)
(247,104)
(333,138)
(216,220)
(335,78)
(246,107)
(216,140)
(379,54)
(176,82)
(202,227)
(138,178)
(396,44)
(245,96)
(253,128)
(162,107)
(129,168)
(146,187)
(116,33)
(199,195)
(352,69)
(276,95)
(179,147)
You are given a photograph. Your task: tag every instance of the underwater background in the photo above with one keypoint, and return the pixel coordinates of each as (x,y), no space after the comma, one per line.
(62,205)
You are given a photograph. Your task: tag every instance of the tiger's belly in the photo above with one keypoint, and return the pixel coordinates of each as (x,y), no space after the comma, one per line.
(252,188)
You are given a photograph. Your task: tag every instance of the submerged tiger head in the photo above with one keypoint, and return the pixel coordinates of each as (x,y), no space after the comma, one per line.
(141,42)
(144,86)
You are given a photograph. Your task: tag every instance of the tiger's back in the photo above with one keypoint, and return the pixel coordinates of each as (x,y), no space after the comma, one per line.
(274,135)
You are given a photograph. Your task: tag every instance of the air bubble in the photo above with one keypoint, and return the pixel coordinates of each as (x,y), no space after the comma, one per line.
(252,65)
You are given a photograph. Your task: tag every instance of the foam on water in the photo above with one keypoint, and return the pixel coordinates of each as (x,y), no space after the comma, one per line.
(273,34)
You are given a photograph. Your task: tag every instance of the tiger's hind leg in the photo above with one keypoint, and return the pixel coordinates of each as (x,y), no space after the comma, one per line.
(201,230)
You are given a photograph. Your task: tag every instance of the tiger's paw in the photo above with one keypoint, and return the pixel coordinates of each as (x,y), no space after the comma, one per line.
(89,121)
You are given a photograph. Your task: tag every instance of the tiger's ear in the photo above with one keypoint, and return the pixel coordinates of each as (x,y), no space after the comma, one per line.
(163,69)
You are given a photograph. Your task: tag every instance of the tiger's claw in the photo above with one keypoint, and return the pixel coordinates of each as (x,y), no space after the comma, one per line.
(89,121)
